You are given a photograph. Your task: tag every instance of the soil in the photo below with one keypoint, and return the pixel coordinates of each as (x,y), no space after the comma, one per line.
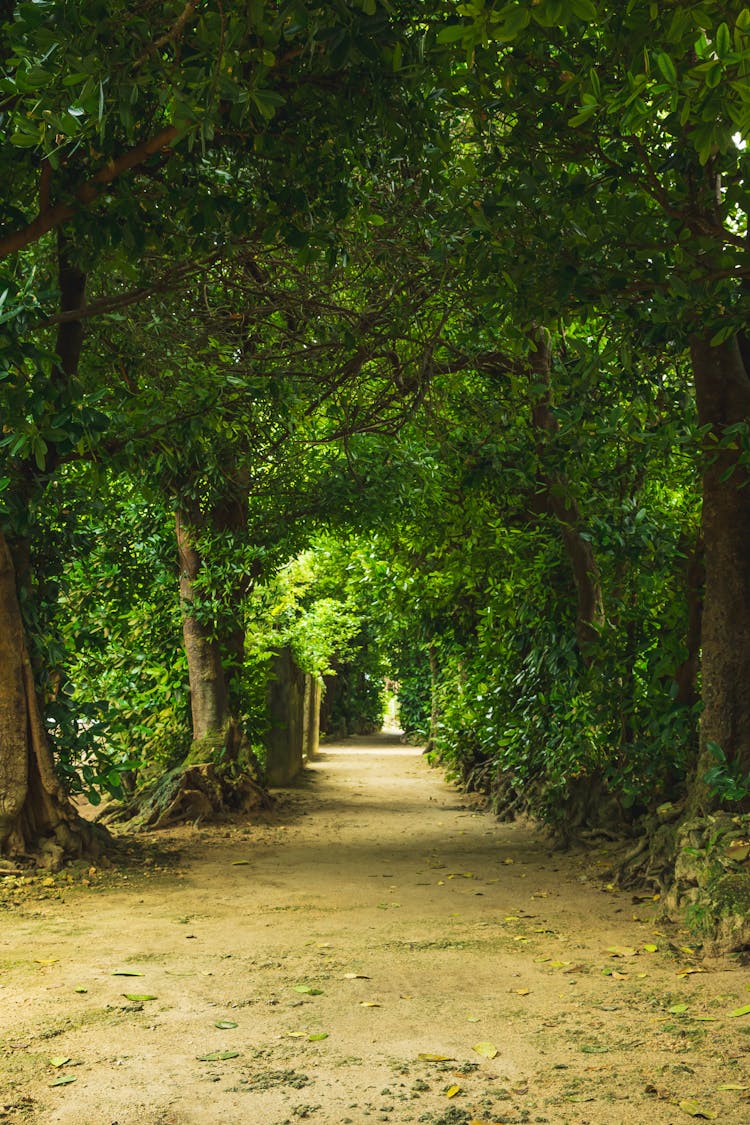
(340,960)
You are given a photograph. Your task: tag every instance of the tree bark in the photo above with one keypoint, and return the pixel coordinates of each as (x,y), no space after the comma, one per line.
(723,395)
(37,819)
(209,700)
(562,504)
(686,675)
(230,515)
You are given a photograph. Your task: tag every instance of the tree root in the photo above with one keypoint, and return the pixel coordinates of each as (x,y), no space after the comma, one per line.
(191,792)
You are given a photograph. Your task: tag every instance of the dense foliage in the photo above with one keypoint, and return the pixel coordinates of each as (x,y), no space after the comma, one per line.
(410,337)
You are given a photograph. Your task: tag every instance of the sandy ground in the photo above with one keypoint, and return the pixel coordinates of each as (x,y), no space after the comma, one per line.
(341,961)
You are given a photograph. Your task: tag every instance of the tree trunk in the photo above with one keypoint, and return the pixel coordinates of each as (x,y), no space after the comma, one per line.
(230,515)
(208,688)
(723,396)
(562,504)
(686,676)
(37,819)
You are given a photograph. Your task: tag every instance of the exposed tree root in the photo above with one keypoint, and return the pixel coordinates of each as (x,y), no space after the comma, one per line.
(200,791)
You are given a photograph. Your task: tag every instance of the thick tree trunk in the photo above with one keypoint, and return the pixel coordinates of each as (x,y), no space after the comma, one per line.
(723,396)
(230,515)
(220,772)
(686,676)
(37,820)
(562,504)
(208,687)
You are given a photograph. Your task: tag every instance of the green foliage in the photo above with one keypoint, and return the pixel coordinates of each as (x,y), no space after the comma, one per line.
(724,779)
(119,623)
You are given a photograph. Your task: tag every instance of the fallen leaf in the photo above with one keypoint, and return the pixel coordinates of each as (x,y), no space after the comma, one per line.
(743,1011)
(521,991)
(689,971)
(619,976)
(507,861)
(295,1034)
(317,1036)
(308,990)
(423,1057)
(558,964)
(225,1025)
(127,973)
(356,976)
(486,1050)
(651,948)
(369,1004)
(732,1086)
(678,1009)
(621,951)
(138,997)
(691,1107)
(240,862)
(47,961)
(64,1080)
(452,1091)
(218,1056)
(59,1060)
(80,990)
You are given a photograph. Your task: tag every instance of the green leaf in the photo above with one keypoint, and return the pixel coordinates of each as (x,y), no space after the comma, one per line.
(63,1080)
(511,25)
(24,140)
(584,9)
(584,114)
(667,67)
(722,335)
(743,1011)
(452,33)
(723,41)
(139,997)
(267,102)
(225,1025)
(317,1036)
(218,1056)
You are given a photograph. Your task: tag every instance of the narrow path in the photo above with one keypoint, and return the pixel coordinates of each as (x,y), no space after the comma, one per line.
(361,942)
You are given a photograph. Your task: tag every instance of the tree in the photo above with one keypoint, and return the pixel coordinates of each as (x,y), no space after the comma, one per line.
(612,168)
(152,143)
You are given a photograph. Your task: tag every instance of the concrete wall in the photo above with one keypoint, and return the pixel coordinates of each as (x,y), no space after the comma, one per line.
(293,713)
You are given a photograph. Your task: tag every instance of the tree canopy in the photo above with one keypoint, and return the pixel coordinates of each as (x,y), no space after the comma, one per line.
(413,337)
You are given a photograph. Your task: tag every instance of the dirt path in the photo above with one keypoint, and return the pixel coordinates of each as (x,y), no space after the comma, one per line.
(460,931)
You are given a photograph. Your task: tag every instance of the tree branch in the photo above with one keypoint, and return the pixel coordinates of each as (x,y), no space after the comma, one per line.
(169,36)
(86,193)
